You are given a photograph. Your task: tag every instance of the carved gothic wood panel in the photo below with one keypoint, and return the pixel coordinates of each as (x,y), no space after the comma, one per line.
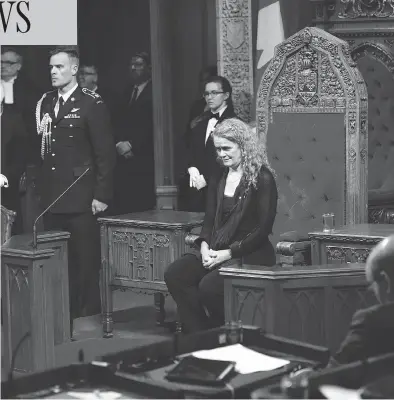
(366,9)
(235,62)
(19,301)
(302,314)
(312,304)
(141,255)
(249,305)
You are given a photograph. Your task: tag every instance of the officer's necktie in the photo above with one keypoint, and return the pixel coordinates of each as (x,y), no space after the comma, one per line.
(59,106)
(217,116)
(134,95)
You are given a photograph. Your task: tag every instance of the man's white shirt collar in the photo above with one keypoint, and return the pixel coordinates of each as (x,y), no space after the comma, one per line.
(67,94)
(9,90)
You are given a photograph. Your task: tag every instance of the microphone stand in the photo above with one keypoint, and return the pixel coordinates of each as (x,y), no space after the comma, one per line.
(58,198)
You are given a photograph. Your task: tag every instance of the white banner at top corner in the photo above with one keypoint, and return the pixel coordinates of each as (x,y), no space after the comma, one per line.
(38,22)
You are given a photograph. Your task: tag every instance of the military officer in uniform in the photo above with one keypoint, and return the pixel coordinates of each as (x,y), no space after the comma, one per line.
(77,143)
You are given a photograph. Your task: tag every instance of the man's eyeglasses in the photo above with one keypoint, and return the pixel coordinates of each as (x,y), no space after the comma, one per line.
(214,93)
(87,73)
(137,65)
(9,62)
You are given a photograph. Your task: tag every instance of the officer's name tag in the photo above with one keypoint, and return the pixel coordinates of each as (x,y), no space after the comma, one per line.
(72,116)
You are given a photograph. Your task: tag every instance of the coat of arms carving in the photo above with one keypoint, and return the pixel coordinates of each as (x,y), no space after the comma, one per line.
(236,33)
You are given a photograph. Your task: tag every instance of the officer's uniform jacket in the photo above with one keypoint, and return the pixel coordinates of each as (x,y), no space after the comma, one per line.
(81,137)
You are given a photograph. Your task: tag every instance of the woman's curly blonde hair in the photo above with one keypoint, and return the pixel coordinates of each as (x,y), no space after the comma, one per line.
(253,154)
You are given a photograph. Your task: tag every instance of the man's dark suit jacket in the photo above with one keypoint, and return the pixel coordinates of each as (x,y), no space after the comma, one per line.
(13,156)
(110,99)
(196,109)
(26,96)
(82,137)
(254,223)
(371,334)
(134,178)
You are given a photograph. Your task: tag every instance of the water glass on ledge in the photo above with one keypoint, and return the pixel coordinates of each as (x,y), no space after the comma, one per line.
(328,222)
(234,332)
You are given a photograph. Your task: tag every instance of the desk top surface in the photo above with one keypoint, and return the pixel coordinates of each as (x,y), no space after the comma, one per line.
(371,231)
(156,218)
(278,272)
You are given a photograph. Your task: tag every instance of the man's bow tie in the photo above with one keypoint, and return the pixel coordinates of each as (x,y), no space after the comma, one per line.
(217,116)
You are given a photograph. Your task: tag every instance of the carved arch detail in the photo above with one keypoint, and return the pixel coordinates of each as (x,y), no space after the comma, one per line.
(378,51)
(313,72)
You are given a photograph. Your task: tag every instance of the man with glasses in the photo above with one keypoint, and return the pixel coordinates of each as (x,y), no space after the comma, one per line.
(134,176)
(88,77)
(372,330)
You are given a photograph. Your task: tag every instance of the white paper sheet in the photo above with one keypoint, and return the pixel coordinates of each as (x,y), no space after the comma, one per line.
(339,393)
(247,361)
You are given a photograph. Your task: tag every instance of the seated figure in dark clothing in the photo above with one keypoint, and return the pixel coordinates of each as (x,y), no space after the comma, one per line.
(372,330)
(240,212)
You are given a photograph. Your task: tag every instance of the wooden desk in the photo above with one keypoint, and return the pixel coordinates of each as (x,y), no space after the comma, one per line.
(348,244)
(313,304)
(135,249)
(35,300)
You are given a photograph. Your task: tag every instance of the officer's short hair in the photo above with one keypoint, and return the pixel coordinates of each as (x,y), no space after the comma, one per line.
(72,52)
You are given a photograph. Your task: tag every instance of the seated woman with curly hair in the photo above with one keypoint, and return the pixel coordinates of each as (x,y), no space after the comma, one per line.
(240,212)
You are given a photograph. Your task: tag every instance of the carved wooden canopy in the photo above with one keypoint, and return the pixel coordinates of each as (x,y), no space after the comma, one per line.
(313,72)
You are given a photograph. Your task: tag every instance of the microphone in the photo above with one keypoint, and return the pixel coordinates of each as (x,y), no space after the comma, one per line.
(48,208)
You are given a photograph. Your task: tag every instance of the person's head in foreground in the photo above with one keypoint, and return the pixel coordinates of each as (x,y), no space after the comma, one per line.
(379,270)
(239,148)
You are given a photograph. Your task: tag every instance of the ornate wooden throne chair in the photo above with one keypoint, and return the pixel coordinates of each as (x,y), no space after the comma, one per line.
(312,116)
(368,27)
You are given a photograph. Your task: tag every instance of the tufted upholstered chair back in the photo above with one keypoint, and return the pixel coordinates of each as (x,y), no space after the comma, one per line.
(312,116)
(376,63)
(307,153)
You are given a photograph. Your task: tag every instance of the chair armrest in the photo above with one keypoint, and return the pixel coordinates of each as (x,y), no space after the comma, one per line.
(381,214)
(294,249)
(192,236)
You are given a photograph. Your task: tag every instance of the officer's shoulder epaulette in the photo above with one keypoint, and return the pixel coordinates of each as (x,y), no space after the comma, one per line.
(47,93)
(43,97)
(91,93)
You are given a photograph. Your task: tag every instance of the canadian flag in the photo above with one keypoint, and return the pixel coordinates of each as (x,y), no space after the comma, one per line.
(269,34)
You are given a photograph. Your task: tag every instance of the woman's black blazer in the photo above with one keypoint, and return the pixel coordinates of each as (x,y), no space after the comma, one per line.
(250,239)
